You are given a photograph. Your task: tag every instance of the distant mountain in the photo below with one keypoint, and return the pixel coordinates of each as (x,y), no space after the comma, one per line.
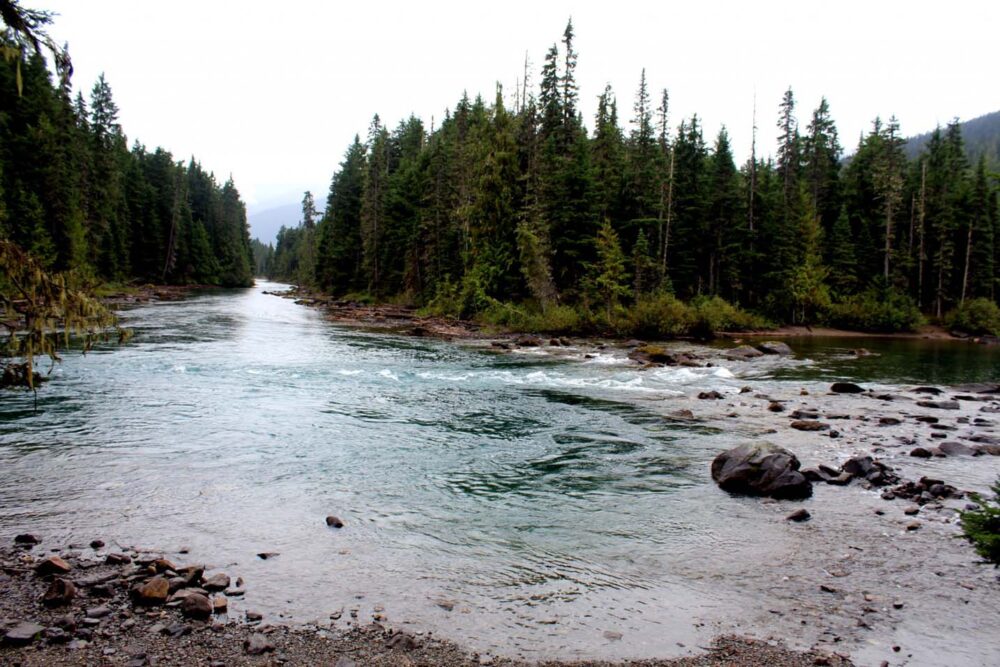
(265,223)
(982,136)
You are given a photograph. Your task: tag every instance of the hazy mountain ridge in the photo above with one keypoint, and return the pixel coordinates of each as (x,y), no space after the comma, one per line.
(981,135)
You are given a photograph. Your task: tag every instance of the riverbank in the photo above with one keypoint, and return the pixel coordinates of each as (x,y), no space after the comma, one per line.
(408,321)
(93,605)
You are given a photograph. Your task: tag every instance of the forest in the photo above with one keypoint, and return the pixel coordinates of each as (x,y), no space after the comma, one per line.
(79,200)
(515,212)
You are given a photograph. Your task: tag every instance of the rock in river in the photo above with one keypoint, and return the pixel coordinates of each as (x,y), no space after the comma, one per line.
(761,469)
(61,592)
(846,388)
(334,522)
(809,425)
(775,347)
(940,405)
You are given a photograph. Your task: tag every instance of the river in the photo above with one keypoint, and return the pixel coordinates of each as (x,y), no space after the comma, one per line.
(545,497)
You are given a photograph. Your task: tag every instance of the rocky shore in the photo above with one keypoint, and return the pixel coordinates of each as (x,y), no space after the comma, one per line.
(89,605)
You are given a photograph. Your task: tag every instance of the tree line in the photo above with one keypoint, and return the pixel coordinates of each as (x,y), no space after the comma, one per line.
(516,202)
(77,198)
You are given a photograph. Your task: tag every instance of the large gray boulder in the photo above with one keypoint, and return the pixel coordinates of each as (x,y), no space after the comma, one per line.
(760,469)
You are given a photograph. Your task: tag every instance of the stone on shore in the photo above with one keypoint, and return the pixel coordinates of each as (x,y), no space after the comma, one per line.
(52,565)
(23,633)
(258,644)
(761,469)
(152,592)
(196,606)
(846,388)
(60,593)
(921,453)
(27,539)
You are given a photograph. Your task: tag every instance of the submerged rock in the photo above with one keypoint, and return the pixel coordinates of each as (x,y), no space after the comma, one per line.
(940,405)
(809,425)
(742,353)
(799,515)
(710,395)
(761,469)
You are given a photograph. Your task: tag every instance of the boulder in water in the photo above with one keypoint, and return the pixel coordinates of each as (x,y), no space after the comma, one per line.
(846,388)
(761,469)
(775,347)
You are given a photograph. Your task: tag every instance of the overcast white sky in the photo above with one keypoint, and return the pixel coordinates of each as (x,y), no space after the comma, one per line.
(273,92)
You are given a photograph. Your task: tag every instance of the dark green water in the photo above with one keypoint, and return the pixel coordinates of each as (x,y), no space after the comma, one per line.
(547,496)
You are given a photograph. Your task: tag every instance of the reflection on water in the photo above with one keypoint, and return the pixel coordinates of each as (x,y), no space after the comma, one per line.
(528,489)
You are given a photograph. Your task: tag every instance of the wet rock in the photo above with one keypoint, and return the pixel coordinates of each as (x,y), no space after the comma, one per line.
(684,414)
(775,406)
(804,414)
(27,539)
(943,427)
(992,450)
(528,341)
(846,388)
(334,522)
(952,448)
(742,353)
(862,352)
(775,347)
(254,616)
(162,565)
(257,644)
(177,629)
(97,544)
(815,474)
(118,559)
(60,593)
(265,555)
(843,479)
(927,419)
(933,391)
(911,510)
(196,606)
(913,525)
(220,604)
(920,453)
(151,592)
(940,405)
(23,633)
(710,395)
(809,425)
(52,565)
(217,582)
(799,515)
(889,421)
(761,469)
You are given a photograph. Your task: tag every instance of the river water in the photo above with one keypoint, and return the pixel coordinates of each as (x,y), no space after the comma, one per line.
(546,497)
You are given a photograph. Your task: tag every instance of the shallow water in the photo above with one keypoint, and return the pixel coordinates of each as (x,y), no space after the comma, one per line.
(546,495)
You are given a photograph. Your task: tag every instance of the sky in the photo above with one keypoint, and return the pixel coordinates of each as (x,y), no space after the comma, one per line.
(273,92)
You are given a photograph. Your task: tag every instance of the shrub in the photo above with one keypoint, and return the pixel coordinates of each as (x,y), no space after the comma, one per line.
(982,525)
(976,317)
(659,315)
(714,314)
(876,310)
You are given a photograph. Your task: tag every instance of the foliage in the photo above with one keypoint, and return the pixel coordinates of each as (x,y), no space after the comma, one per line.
(657,316)
(982,525)
(41,312)
(876,310)
(976,317)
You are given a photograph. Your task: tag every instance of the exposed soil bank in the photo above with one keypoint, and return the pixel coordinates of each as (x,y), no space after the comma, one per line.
(95,606)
